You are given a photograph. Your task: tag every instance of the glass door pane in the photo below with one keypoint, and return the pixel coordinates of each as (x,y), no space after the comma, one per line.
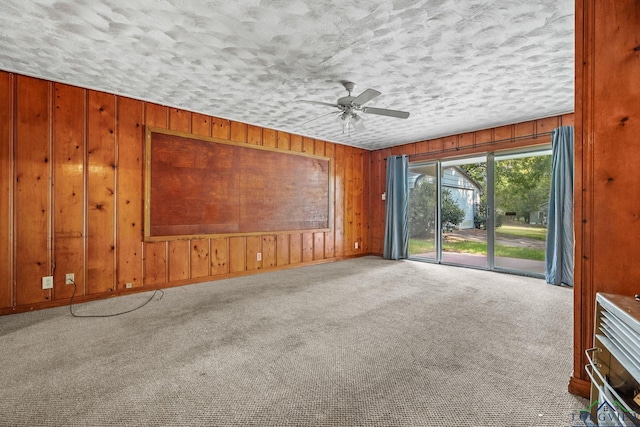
(423,210)
(463,211)
(522,184)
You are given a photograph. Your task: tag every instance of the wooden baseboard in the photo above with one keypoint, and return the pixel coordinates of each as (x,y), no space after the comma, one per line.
(119,292)
(579,387)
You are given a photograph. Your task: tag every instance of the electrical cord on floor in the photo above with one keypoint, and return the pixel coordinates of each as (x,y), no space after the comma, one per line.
(75,287)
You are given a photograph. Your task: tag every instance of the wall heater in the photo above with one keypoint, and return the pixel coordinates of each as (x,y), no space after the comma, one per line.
(614,361)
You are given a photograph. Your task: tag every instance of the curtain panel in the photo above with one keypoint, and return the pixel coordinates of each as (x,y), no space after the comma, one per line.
(396,231)
(560,235)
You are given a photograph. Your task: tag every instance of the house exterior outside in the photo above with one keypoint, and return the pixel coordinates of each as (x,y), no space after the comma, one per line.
(464,190)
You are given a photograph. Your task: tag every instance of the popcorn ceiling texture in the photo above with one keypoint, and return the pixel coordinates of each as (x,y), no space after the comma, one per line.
(456,65)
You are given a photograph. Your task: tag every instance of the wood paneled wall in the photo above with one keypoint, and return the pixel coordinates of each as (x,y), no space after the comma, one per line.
(72,191)
(531,133)
(607,202)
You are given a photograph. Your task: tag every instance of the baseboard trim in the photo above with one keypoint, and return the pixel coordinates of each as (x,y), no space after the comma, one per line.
(579,387)
(119,292)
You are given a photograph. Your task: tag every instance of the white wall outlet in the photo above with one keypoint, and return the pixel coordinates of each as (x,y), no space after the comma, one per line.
(357,244)
(384,196)
(128,285)
(47,282)
(259,256)
(69,279)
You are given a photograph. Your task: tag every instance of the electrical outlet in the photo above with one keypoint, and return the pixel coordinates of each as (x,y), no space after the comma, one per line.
(357,244)
(384,196)
(47,282)
(69,279)
(129,285)
(259,256)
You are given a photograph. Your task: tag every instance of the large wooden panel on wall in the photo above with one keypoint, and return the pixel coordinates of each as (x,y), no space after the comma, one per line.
(73,159)
(200,186)
(607,122)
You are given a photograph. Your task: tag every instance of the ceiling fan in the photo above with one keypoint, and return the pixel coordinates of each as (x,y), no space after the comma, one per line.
(349,105)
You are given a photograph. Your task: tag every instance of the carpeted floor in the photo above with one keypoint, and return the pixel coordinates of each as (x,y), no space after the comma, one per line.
(364,342)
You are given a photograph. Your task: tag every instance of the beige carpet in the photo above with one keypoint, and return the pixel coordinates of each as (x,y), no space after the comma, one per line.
(364,342)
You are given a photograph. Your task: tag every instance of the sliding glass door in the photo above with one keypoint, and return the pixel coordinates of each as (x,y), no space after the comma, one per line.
(423,211)
(485,211)
(522,183)
(463,189)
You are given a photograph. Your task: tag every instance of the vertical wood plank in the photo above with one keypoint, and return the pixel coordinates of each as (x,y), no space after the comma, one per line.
(199,258)
(348,202)
(254,135)
(296,143)
(32,190)
(282,249)
(466,140)
(130,191)
(295,248)
(200,124)
(220,128)
(339,186)
(68,189)
(179,120)
(253,247)
(155,263)
(220,256)
(503,133)
(237,254)
(101,185)
(179,251)
(435,145)
(329,235)
(6,184)
(238,132)
(318,238)
(269,138)
(449,143)
(318,246)
(567,120)
(483,136)
(268,251)
(357,194)
(524,129)
(307,145)
(156,115)
(284,141)
(307,247)
(547,125)
(366,189)
(422,147)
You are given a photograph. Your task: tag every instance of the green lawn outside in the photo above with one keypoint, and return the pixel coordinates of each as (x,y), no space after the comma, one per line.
(530,232)
(417,246)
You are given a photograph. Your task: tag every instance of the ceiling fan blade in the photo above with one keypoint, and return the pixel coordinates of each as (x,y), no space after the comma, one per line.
(385,112)
(365,97)
(318,102)
(319,117)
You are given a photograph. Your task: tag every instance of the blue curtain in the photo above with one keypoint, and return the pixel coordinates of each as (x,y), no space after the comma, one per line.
(560,237)
(396,230)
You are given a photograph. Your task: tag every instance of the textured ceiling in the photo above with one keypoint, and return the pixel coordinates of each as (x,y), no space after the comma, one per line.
(455,65)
